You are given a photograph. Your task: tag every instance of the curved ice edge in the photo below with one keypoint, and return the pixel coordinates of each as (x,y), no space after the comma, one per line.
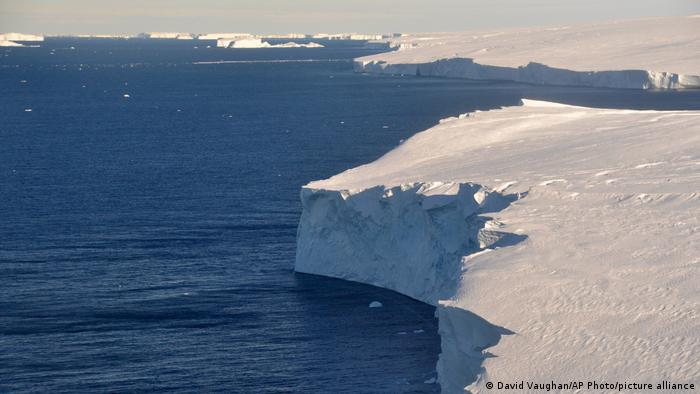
(534,73)
(416,239)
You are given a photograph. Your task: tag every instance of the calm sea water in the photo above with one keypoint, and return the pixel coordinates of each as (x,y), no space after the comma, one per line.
(147,242)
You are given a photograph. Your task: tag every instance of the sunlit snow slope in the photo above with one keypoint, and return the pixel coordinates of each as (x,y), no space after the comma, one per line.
(639,54)
(564,241)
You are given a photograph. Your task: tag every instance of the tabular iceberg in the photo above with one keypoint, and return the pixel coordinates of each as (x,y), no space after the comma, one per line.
(20,37)
(5,43)
(259,43)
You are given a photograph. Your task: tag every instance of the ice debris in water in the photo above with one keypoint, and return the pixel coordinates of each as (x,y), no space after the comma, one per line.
(375,304)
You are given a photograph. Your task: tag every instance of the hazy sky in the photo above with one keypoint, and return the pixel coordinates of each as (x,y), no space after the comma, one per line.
(309,16)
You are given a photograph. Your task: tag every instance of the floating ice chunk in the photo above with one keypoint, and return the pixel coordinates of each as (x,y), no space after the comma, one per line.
(430,381)
(27,110)
(375,304)
(126,95)
(419,331)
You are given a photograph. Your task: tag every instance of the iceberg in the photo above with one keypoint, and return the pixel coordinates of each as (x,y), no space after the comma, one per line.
(5,43)
(242,43)
(655,53)
(352,36)
(170,35)
(539,267)
(259,43)
(20,37)
(217,36)
(297,45)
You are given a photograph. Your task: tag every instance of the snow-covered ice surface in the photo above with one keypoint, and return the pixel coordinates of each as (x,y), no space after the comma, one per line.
(5,43)
(20,37)
(643,53)
(558,242)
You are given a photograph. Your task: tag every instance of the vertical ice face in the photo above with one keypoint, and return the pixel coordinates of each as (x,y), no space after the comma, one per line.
(409,238)
(412,239)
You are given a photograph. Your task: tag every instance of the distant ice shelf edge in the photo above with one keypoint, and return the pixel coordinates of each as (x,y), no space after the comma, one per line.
(533,73)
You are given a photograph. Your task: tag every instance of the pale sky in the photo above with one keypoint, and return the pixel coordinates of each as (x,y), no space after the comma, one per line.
(313,16)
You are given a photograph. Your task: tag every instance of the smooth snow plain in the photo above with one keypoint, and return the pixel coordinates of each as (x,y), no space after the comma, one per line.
(640,54)
(557,242)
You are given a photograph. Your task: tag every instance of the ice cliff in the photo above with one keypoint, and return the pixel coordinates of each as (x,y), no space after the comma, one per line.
(408,238)
(659,53)
(557,242)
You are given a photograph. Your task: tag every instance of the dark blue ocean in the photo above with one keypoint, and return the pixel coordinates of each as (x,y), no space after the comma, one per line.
(148,212)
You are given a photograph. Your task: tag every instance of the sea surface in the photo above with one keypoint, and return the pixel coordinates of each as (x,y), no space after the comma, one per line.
(149,197)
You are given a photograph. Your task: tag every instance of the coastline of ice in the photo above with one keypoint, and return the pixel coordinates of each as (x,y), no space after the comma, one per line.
(657,53)
(506,222)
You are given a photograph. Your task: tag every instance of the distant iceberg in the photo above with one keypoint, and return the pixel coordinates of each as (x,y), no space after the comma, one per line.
(352,36)
(5,43)
(20,37)
(170,35)
(218,36)
(259,43)
(297,45)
